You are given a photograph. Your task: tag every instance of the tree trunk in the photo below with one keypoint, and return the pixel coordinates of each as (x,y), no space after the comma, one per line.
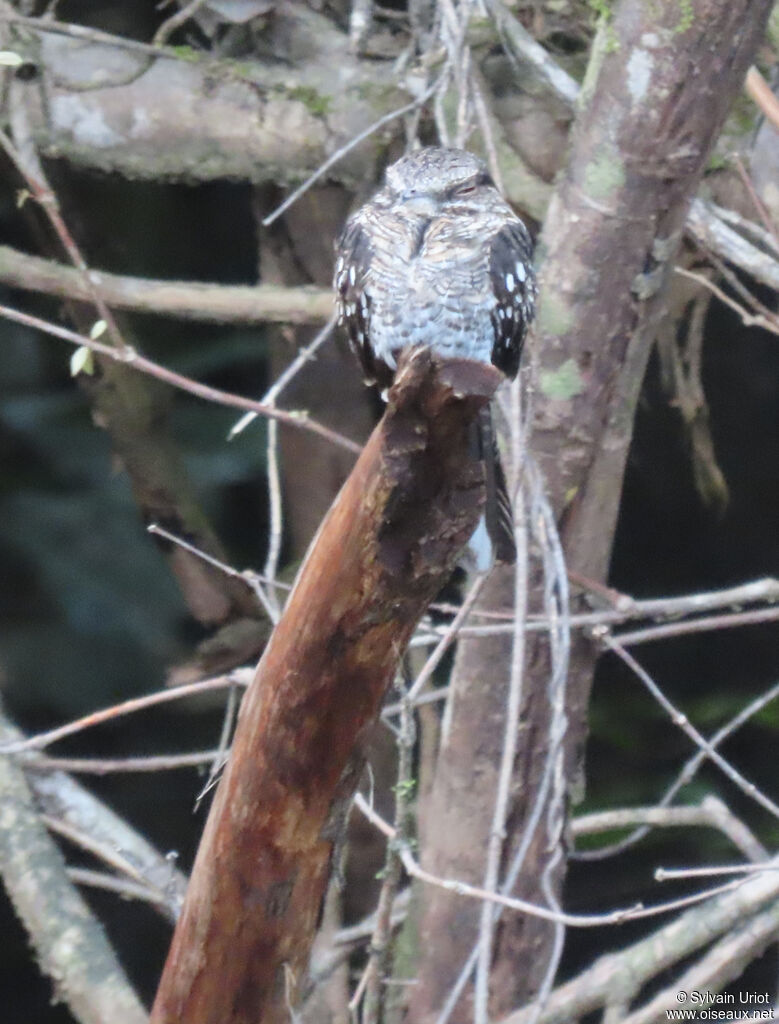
(659,85)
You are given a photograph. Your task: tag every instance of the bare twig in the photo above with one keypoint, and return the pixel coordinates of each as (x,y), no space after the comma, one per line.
(93,35)
(24,156)
(760,91)
(705,624)
(630,609)
(121,886)
(70,945)
(63,799)
(508,756)
(619,976)
(709,228)
(710,813)
(138,362)
(687,774)
(169,26)
(45,739)
(747,318)
(722,963)
(255,581)
(276,518)
(341,153)
(680,719)
(119,765)
(382,933)
(305,355)
(451,633)
(523,47)
(757,202)
(459,888)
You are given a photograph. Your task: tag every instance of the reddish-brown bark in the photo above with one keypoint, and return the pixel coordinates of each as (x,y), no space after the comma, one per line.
(387,545)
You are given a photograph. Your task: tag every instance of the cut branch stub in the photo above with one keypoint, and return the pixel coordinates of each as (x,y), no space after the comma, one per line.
(386,547)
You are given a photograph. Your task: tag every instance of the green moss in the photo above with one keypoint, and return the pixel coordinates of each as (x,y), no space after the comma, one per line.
(600,8)
(602,12)
(315,102)
(187,53)
(717,162)
(553,315)
(604,174)
(687,18)
(563,383)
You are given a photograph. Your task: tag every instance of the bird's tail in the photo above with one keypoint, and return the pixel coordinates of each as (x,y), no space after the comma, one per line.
(499,519)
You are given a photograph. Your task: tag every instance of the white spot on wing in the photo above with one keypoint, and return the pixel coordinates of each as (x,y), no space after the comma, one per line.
(510,282)
(521,272)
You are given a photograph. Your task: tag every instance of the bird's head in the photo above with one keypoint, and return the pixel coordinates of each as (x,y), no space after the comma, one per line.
(430,180)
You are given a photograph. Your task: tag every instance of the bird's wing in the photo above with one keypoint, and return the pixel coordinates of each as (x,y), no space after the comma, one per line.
(353,258)
(514,285)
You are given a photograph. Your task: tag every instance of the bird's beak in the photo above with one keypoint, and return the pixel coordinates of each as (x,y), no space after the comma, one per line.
(421,205)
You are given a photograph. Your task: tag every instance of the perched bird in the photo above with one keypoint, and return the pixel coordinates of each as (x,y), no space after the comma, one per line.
(438,258)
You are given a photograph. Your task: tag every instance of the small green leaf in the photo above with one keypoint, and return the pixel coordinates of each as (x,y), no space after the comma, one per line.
(99,328)
(82,361)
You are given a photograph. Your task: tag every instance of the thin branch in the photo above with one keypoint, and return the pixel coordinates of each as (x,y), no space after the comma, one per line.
(121,886)
(634,913)
(687,774)
(276,510)
(630,609)
(253,580)
(70,945)
(118,765)
(143,365)
(188,300)
(708,228)
(497,833)
(127,707)
(747,318)
(705,624)
(339,154)
(63,799)
(24,157)
(524,48)
(93,35)
(305,355)
(710,813)
(169,26)
(722,963)
(680,719)
(619,976)
(760,91)
(382,934)
(449,636)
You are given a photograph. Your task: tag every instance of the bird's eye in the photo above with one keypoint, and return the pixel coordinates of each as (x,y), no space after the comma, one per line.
(466,190)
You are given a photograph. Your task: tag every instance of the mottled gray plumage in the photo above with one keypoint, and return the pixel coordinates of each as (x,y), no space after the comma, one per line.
(438,258)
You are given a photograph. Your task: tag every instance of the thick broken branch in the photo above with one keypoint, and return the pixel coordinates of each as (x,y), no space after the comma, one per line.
(386,547)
